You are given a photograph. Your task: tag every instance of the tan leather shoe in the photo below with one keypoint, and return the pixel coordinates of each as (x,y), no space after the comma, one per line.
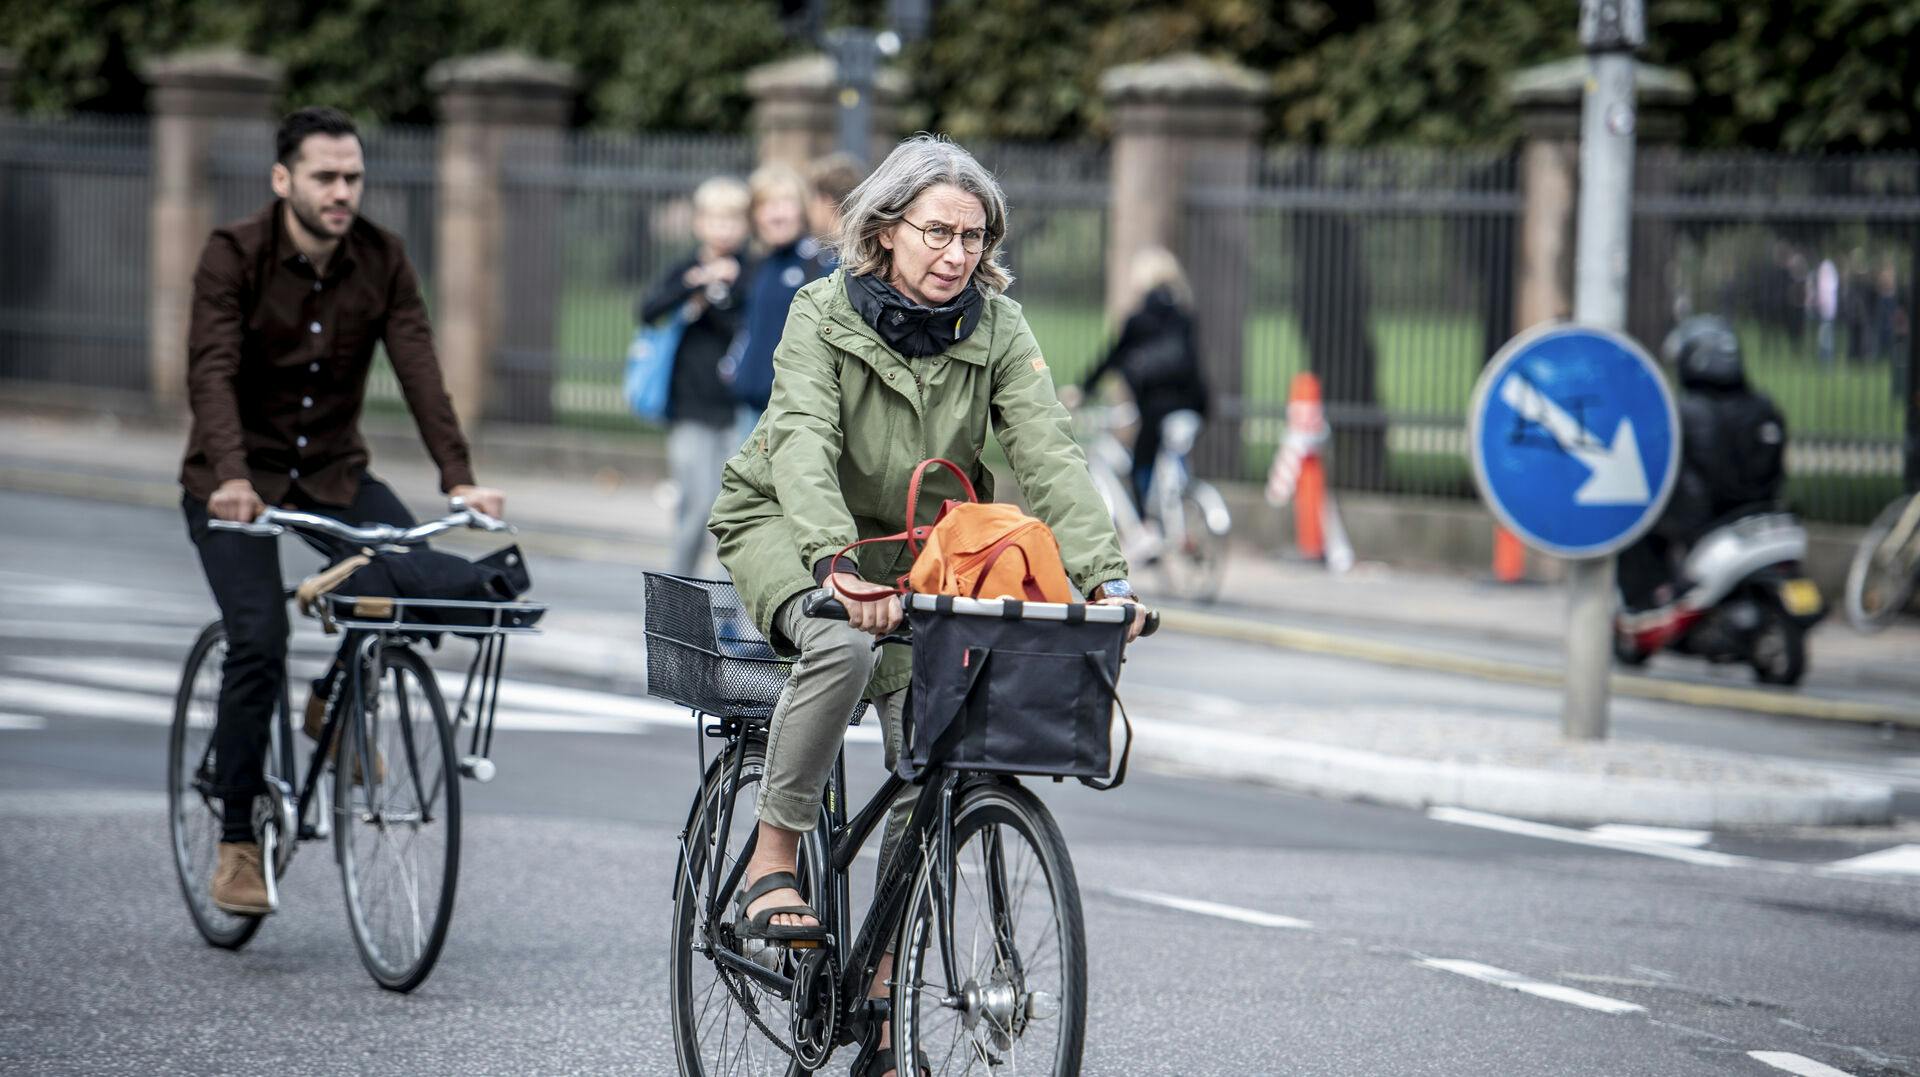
(239,882)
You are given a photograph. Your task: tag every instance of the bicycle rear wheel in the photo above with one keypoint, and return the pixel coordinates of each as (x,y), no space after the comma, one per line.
(193,812)
(1020,949)
(397,834)
(1881,578)
(1195,558)
(714,1034)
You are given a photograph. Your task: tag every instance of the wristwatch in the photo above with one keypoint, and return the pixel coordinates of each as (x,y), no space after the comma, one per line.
(1114,589)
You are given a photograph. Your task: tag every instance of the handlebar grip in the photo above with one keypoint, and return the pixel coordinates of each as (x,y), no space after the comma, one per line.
(1153,624)
(821,603)
(263,530)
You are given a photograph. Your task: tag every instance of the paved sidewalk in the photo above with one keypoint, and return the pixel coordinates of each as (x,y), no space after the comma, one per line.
(610,508)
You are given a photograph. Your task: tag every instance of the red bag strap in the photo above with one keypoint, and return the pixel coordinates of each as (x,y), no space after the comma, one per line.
(875,595)
(1027,583)
(913,496)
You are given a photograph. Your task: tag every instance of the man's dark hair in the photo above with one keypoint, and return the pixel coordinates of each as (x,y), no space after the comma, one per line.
(313,120)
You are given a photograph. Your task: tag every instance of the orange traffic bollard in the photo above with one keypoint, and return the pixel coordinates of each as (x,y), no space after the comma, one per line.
(1299,469)
(1509,556)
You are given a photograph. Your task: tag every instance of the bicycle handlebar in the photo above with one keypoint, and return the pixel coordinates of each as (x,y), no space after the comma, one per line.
(821,603)
(276,521)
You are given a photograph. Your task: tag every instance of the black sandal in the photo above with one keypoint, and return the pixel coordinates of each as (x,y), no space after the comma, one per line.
(758,926)
(881,1061)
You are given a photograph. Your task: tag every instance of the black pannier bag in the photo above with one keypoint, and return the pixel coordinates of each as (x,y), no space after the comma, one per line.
(424,573)
(1017,688)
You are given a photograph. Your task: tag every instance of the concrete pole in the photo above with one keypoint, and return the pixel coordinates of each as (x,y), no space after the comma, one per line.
(199,98)
(1611,30)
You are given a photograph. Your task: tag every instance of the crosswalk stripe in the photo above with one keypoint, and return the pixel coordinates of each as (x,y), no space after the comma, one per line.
(1898,860)
(1792,1063)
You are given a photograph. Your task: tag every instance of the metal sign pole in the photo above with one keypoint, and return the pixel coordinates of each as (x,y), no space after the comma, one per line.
(1610,30)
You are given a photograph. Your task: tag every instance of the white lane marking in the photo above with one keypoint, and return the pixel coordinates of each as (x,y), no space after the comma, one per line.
(1513,981)
(1654,835)
(24,722)
(1209,908)
(1898,860)
(21,693)
(1792,1063)
(130,674)
(1489,821)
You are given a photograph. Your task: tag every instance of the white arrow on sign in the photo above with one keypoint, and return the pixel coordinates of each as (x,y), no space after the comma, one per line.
(1618,477)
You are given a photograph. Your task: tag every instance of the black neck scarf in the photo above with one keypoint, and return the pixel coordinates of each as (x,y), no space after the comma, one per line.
(909,328)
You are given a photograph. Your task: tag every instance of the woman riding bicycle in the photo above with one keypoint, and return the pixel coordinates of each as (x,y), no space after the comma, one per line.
(908,351)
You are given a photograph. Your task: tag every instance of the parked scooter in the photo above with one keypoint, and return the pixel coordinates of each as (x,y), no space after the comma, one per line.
(1743,598)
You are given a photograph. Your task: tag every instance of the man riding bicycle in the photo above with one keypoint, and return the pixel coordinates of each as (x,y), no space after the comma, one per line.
(287,307)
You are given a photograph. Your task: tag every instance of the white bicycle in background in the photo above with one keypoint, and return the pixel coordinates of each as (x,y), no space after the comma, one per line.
(1886,566)
(1182,536)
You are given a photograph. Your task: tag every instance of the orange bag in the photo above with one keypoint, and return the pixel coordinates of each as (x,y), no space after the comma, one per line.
(977,550)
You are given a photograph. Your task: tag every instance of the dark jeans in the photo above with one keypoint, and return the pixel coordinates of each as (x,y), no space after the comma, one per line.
(244,573)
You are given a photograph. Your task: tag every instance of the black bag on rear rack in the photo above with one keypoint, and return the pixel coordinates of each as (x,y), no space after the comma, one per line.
(426,573)
(1012,693)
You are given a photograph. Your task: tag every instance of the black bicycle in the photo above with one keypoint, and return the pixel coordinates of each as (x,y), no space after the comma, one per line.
(991,966)
(393,808)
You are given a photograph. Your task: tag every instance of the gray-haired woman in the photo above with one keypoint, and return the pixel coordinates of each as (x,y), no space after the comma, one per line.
(910,350)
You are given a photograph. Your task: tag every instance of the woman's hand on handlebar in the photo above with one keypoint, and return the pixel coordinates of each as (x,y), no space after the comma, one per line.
(878,617)
(1139,619)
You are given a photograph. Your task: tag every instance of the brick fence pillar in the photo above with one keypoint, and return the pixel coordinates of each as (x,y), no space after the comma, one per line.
(198,100)
(796,109)
(496,291)
(1189,124)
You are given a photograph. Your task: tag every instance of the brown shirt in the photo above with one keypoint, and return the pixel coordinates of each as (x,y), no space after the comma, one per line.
(277,361)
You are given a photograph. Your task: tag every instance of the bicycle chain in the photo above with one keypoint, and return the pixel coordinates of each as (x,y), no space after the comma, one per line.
(740,995)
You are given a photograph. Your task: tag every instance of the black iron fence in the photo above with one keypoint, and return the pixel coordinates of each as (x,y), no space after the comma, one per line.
(1389,274)
(74,235)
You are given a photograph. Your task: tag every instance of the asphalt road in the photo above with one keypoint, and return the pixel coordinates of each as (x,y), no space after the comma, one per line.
(556,962)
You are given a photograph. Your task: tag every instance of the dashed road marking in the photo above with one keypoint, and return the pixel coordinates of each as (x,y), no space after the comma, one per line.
(1513,981)
(1792,1063)
(1214,909)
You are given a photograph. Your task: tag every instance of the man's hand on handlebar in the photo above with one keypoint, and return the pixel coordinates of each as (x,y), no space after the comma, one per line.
(878,617)
(235,500)
(482,499)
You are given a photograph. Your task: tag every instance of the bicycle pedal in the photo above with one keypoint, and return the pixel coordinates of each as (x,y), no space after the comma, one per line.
(803,944)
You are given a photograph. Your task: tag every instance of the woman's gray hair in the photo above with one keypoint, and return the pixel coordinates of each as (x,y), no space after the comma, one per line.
(882,199)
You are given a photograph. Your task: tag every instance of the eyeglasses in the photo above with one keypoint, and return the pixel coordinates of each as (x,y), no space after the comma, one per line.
(938,237)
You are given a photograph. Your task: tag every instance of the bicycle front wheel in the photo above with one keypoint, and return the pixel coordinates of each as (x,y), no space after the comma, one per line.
(397,832)
(1880,581)
(1195,559)
(1018,998)
(193,812)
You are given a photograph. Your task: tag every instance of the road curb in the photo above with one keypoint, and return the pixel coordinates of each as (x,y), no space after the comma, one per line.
(1312,641)
(1553,796)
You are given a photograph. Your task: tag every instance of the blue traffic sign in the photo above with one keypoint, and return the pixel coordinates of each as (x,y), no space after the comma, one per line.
(1575,439)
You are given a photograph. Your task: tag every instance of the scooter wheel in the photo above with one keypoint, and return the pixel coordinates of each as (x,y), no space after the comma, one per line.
(1779,652)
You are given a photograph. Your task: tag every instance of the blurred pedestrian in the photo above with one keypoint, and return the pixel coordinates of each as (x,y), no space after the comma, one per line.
(788,258)
(1886,311)
(1826,306)
(832,178)
(704,289)
(1156,356)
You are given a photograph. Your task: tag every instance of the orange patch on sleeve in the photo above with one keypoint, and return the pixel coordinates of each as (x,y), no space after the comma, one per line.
(1039,363)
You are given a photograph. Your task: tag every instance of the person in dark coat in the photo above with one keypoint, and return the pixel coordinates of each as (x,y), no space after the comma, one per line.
(705,289)
(1157,357)
(788,259)
(1733,444)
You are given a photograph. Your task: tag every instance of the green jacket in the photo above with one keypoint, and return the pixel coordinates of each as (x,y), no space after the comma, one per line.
(830,460)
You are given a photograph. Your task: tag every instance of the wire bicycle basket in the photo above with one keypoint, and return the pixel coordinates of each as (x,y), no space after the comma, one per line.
(703,651)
